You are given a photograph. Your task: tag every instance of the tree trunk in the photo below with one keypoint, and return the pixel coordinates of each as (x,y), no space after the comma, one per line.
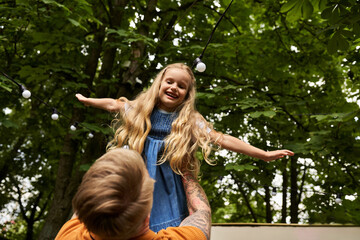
(294,209)
(284,193)
(115,19)
(29,231)
(66,183)
(61,203)
(31,219)
(268,205)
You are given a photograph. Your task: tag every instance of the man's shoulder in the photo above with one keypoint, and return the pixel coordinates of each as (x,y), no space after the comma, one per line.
(73,229)
(185,233)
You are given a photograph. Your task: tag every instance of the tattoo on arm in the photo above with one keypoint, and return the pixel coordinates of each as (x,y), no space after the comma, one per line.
(198,204)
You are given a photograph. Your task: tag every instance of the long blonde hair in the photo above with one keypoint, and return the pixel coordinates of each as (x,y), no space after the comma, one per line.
(188,132)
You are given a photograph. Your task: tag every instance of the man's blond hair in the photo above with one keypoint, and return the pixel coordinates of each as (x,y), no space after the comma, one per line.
(115,195)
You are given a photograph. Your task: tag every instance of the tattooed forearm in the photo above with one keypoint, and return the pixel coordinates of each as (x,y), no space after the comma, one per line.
(200,219)
(199,208)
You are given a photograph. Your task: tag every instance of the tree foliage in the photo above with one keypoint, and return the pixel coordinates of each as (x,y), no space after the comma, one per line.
(280,74)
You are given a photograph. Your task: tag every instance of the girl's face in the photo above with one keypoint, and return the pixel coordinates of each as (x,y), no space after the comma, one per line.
(173,89)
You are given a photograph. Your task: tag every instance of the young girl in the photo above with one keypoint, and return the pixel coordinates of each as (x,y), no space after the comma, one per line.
(163,125)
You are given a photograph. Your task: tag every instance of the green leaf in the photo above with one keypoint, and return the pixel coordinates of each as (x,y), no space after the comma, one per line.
(205,95)
(320,133)
(307,9)
(255,114)
(5,83)
(77,24)
(120,32)
(356,29)
(53,2)
(342,43)
(335,14)
(3,38)
(269,114)
(23,2)
(332,46)
(295,13)
(288,6)
(349,116)
(320,117)
(5,87)
(337,42)
(346,33)
(326,13)
(9,124)
(322,4)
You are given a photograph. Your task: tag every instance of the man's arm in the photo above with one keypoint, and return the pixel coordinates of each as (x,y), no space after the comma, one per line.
(198,204)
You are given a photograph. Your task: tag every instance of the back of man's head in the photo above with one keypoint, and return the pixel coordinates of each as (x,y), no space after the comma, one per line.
(115,195)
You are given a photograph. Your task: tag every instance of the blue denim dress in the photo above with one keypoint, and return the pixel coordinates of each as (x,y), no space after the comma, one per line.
(169,205)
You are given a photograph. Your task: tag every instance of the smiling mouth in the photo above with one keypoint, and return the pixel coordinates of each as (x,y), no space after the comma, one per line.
(171,95)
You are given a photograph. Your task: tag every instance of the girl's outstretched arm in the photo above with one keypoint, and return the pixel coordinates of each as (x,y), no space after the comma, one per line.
(236,145)
(108,104)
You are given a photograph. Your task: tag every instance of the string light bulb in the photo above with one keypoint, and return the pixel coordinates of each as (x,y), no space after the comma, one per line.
(73,126)
(25,93)
(90,135)
(338,199)
(200,66)
(55,115)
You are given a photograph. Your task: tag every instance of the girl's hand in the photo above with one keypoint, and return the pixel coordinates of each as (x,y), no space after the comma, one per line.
(273,155)
(82,99)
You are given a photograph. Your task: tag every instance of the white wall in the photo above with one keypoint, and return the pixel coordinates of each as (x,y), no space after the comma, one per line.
(284,232)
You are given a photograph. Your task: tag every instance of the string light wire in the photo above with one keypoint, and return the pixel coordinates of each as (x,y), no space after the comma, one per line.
(212,32)
(56,112)
(200,66)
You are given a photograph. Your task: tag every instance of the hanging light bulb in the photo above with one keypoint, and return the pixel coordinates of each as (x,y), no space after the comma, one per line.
(273,193)
(338,199)
(90,135)
(73,127)
(199,65)
(55,115)
(25,93)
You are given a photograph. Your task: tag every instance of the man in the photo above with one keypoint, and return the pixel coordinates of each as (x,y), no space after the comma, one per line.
(115,198)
